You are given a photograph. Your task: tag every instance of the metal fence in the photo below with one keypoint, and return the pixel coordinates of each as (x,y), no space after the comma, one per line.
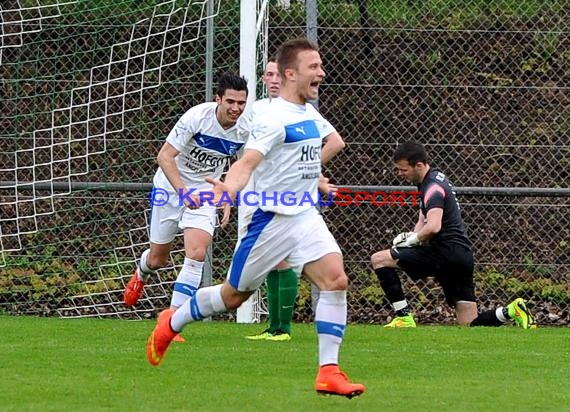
(483,84)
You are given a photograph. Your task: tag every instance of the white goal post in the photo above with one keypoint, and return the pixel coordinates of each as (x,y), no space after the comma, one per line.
(253,30)
(101,295)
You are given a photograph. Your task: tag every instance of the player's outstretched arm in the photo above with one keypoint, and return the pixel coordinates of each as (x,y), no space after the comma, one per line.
(237,177)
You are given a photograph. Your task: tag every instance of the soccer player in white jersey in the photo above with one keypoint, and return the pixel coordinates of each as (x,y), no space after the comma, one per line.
(200,145)
(283,152)
(282,281)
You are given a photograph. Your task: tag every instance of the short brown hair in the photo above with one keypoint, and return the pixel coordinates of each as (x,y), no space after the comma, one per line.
(287,53)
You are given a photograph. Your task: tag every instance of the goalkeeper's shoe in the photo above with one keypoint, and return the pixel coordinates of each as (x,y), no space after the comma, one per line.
(518,311)
(279,336)
(332,381)
(406,321)
(134,288)
(261,336)
(160,338)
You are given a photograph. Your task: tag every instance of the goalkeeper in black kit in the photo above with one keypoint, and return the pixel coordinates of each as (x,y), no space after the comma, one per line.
(438,247)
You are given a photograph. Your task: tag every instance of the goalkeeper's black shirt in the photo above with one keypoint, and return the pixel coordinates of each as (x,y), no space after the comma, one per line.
(437,192)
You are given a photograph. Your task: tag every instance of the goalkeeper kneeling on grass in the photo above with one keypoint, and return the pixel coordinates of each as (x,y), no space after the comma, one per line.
(438,247)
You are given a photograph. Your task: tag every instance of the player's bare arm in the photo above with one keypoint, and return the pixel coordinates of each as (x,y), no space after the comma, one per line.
(166,160)
(333,145)
(226,207)
(226,211)
(432,224)
(238,175)
(325,187)
(420,223)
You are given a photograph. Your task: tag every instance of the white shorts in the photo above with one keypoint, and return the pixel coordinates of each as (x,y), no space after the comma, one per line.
(245,213)
(166,220)
(272,238)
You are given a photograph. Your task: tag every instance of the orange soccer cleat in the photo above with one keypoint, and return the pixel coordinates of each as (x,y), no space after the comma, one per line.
(134,288)
(332,381)
(160,338)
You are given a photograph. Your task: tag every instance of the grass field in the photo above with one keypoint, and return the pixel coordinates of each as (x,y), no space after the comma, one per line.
(100,365)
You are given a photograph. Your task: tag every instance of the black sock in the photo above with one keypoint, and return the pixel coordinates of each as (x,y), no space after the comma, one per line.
(487,318)
(403,312)
(390,283)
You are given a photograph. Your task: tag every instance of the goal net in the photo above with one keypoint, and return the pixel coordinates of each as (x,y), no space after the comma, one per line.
(93,87)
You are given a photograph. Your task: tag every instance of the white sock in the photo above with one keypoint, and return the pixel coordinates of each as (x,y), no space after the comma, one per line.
(187,282)
(499,314)
(330,319)
(144,271)
(205,303)
(399,305)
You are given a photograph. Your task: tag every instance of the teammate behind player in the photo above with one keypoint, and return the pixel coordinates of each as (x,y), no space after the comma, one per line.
(282,281)
(200,145)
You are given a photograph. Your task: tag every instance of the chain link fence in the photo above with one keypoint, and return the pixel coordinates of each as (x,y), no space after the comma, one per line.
(483,84)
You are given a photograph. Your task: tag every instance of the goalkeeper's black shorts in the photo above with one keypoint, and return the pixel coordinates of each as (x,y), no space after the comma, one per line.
(452,266)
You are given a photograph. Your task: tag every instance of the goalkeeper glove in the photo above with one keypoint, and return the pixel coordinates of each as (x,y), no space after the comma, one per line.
(406,239)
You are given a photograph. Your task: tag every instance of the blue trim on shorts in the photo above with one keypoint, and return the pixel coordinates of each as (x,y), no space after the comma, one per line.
(329,328)
(185,289)
(259,220)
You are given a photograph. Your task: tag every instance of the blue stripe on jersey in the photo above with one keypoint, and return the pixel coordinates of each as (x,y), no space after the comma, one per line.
(328,328)
(217,144)
(301,131)
(259,220)
(185,289)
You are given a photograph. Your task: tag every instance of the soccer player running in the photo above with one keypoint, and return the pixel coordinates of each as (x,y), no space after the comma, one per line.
(282,281)
(200,145)
(283,153)
(439,247)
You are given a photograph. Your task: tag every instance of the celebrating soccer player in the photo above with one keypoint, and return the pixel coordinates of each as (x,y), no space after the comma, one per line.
(282,282)
(284,145)
(200,145)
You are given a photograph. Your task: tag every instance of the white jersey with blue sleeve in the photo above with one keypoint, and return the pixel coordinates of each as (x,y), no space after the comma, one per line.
(323,124)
